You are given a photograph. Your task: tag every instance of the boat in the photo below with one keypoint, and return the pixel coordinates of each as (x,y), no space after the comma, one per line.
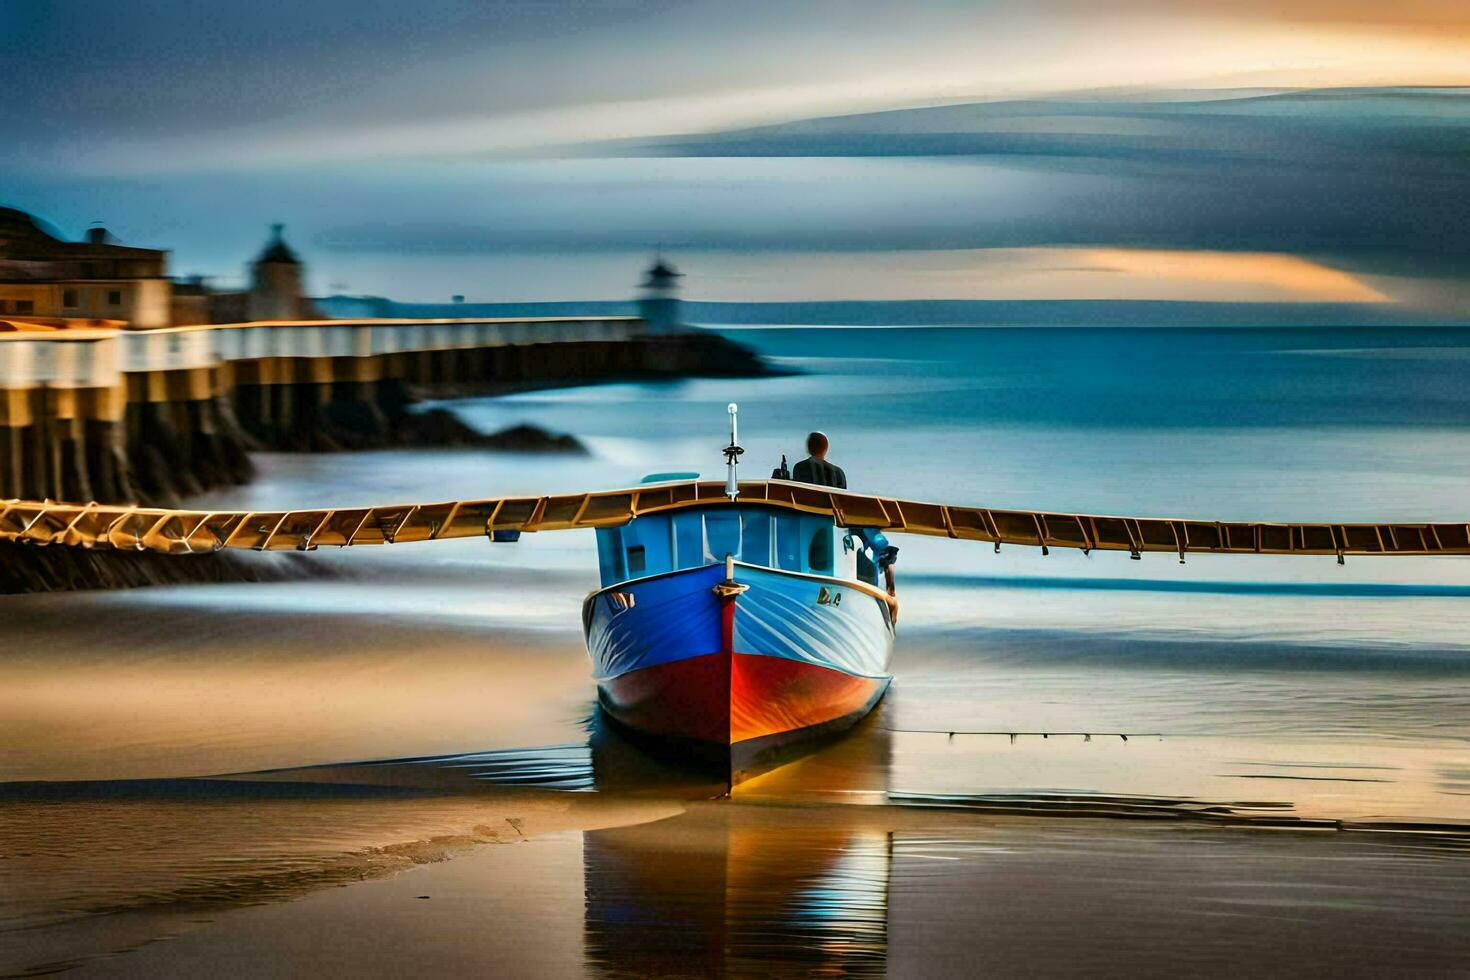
(733,630)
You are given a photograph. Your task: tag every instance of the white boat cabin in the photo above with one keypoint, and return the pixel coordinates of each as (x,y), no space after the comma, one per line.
(768,536)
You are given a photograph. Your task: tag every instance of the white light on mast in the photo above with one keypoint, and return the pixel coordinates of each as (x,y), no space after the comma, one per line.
(732,455)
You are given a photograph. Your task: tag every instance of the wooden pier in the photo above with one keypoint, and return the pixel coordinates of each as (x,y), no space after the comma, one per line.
(181,532)
(114,415)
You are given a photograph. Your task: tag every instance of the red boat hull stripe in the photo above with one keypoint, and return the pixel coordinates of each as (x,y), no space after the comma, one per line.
(732,697)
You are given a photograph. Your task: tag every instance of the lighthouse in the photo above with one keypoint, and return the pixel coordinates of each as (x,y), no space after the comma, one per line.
(275,281)
(658,298)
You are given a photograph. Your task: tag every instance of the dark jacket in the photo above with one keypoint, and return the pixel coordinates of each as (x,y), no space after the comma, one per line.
(819,472)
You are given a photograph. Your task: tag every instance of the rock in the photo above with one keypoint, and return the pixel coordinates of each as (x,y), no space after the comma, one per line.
(441,427)
(27,568)
(699,354)
(436,427)
(531,439)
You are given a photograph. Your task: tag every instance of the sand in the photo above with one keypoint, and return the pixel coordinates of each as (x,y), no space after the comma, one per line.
(607,885)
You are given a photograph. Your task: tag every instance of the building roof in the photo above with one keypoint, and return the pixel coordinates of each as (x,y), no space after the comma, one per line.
(24,236)
(661,273)
(276,250)
(18,225)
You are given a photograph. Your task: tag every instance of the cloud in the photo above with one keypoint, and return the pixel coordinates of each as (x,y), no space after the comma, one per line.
(164,88)
(1022,274)
(452,127)
(1430,17)
(1233,276)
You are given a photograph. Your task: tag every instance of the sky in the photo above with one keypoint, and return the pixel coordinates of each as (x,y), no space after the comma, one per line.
(1239,151)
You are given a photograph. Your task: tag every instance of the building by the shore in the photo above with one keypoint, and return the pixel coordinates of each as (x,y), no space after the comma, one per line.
(47,278)
(48,282)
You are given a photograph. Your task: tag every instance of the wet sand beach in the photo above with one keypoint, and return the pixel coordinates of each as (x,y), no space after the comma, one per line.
(1320,815)
(627,889)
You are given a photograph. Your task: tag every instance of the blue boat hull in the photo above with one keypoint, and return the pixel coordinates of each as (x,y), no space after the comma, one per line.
(786,657)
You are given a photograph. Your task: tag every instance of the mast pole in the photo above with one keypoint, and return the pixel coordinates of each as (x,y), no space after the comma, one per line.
(732,454)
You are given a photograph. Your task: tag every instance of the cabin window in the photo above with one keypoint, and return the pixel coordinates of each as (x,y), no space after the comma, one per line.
(866,569)
(819,551)
(722,532)
(688,540)
(69,298)
(114,297)
(661,543)
(610,555)
(788,542)
(755,537)
(25,306)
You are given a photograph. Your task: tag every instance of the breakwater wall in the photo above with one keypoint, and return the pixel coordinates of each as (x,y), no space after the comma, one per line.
(116,416)
(25,569)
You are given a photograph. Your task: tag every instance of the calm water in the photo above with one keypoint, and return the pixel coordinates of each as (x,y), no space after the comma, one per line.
(1281,687)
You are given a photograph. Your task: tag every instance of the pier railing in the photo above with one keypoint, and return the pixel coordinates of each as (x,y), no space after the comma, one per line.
(98,358)
(185,532)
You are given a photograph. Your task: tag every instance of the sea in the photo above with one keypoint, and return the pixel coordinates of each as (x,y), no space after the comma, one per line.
(1227,691)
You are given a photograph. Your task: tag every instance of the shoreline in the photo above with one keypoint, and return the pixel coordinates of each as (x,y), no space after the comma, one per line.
(174,904)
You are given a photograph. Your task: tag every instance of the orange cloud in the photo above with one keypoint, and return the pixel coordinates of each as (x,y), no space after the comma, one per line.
(1241,276)
(1031,274)
(1445,17)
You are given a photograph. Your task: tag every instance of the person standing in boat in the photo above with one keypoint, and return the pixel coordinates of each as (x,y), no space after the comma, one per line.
(815,469)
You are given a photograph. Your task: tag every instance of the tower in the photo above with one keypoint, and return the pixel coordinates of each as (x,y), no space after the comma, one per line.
(658,298)
(275,281)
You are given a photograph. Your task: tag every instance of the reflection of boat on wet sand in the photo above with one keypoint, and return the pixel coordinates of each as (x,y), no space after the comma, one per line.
(717,893)
(755,891)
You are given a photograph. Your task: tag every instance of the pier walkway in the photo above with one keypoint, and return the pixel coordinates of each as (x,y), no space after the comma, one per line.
(192,532)
(87,358)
